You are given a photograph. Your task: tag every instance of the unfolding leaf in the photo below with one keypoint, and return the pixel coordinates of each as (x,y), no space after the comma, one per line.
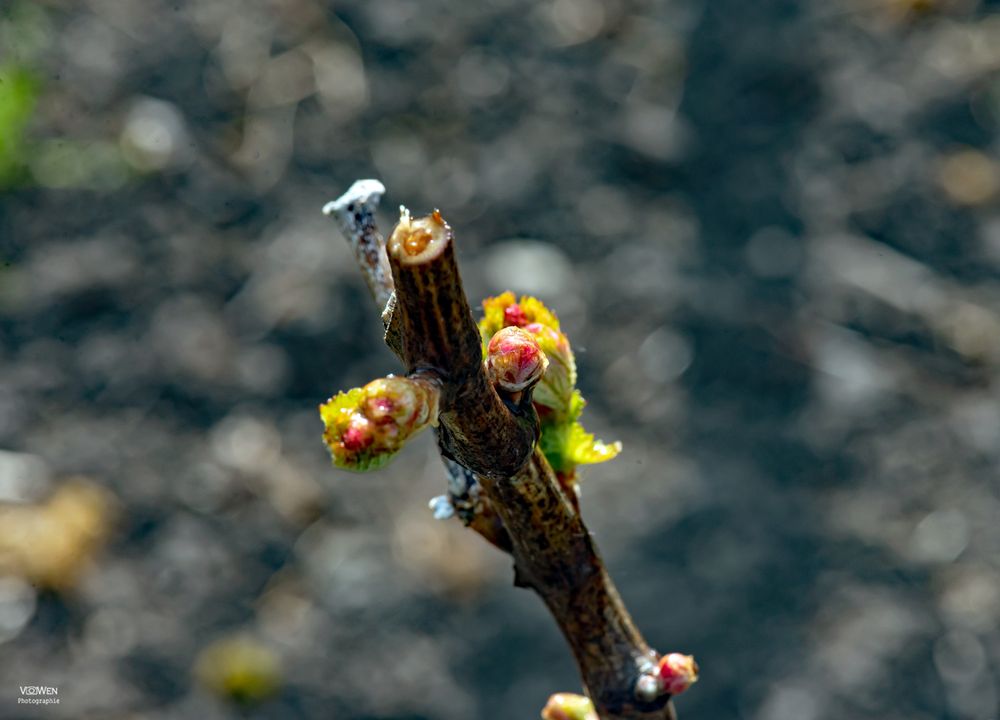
(584,449)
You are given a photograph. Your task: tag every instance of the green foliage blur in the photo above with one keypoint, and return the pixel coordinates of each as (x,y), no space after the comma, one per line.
(18,93)
(24,35)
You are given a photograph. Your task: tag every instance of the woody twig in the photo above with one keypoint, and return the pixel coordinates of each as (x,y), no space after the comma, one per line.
(502,484)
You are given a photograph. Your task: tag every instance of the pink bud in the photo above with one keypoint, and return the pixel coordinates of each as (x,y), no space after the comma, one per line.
(514,315)
(358,435)
(558,341)
(678,672)
(380,409)
(513,359)
(394,400)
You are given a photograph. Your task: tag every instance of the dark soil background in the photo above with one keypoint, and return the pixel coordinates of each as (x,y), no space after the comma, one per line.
(771,230)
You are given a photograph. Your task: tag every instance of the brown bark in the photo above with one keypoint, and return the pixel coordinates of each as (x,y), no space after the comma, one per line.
(555,556)
(477,428)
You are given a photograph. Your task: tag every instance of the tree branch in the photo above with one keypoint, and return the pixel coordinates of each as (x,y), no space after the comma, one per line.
(555,555)
(493,435)
(354,212)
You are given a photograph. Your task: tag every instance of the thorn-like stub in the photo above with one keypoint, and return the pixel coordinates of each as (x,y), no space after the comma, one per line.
(361,193)
(354,212)
(417,240)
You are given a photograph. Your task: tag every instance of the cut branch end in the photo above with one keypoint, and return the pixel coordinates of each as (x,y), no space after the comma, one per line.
(416,241)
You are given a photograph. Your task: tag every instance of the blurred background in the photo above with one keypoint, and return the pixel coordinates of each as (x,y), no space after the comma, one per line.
(771,230)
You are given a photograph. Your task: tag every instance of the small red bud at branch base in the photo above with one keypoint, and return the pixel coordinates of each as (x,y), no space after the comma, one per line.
(678,672)
(514,361)
(568,706)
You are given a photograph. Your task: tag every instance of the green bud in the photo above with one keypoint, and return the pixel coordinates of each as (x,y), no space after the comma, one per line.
(365,427)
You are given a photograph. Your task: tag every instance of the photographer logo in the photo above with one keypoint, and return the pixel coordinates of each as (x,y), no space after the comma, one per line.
(38,695)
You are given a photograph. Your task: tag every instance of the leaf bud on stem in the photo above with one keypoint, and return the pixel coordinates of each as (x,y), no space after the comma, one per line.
(366,426)
(514,361)
(678,672)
